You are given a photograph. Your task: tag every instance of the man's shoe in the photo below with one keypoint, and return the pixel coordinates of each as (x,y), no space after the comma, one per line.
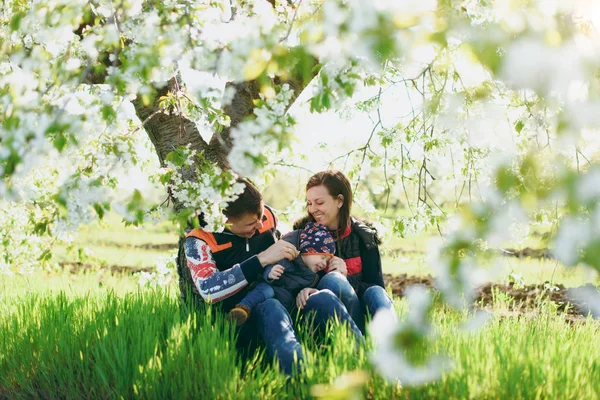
(239,314)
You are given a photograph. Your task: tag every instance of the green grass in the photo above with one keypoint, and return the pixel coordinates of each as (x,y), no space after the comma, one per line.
(98,335)
(84,340)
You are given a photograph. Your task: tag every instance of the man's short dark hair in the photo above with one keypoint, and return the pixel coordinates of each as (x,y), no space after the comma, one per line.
(249,202)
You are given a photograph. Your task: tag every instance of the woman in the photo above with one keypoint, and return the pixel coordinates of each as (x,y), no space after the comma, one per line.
(354,275)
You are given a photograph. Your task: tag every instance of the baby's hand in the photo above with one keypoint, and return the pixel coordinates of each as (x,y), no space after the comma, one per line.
(276,272)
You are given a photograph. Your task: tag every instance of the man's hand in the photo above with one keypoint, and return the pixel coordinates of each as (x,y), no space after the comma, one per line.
(337,264)
(276,272)
(276,252)
(303,297)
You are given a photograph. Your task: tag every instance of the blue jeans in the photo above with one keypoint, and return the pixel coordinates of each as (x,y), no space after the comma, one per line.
(325,305)
(260,293)
(340,286)
(274,325)
(373,299)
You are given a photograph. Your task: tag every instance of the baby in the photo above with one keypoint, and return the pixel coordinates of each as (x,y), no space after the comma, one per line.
(287,278)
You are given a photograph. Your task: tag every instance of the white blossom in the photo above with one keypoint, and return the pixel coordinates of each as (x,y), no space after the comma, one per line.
(389,359)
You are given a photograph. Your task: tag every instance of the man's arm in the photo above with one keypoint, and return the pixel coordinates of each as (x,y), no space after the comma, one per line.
(214,285)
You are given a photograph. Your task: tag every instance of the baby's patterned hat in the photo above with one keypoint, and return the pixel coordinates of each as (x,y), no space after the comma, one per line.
(316,239)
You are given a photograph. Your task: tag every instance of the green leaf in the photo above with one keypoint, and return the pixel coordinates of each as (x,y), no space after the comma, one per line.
(315,104)
(40,228)
(60,142)
(45,256)
(99,210)
(325,100)
(136,201)
(519,126)
(440,38)
(316,68)
(15,22)
(108,113)
(176,157)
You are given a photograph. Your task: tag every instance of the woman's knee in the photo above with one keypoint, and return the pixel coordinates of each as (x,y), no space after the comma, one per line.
(376,291)
(375,298)
(336,282)
(333,277)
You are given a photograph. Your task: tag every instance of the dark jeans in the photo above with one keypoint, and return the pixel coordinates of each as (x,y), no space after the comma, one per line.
(373,299)
(260,293)
(274,326)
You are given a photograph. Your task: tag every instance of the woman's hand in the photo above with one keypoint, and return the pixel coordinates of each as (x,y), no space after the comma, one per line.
(303,297)
(337,264)
(278,252)
(276,272)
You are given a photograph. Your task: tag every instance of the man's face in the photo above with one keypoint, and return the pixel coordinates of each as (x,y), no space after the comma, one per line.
(246,225)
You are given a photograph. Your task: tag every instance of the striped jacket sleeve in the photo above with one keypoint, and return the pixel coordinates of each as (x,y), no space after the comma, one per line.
(212,284)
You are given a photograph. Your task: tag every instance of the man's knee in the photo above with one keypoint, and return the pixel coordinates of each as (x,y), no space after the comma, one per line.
(269,306)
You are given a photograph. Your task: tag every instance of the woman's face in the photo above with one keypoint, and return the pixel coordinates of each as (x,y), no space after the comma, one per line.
(323,207)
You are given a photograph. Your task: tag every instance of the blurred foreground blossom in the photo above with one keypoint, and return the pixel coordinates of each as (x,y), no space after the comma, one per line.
(587,299)
(347,386)
(403,349)
(478,321)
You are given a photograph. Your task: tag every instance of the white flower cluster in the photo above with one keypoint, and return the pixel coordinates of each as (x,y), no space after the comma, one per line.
(422,218)
(226,45)
(79,196)
(335,83)
(267,131)
(163,274)
(208,192)
(21,249)
(351,29)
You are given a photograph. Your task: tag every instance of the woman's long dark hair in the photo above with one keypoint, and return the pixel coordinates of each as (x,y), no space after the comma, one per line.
(336,184)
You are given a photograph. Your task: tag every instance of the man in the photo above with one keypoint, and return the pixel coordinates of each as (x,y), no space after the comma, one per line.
(222,266)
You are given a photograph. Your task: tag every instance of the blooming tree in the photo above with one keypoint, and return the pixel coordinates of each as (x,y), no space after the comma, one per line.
(502,113)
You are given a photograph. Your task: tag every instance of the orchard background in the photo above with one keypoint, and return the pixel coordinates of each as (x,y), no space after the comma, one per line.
(468,130)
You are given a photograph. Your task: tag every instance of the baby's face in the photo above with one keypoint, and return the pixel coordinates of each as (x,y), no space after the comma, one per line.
(316,262)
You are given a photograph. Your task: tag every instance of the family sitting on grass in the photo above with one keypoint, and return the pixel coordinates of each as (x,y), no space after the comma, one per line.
(329,267)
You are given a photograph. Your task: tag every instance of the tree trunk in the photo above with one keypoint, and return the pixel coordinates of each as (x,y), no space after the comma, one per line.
(167,132)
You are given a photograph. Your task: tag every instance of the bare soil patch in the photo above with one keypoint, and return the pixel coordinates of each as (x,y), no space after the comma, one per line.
(526,299)
(76,267)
